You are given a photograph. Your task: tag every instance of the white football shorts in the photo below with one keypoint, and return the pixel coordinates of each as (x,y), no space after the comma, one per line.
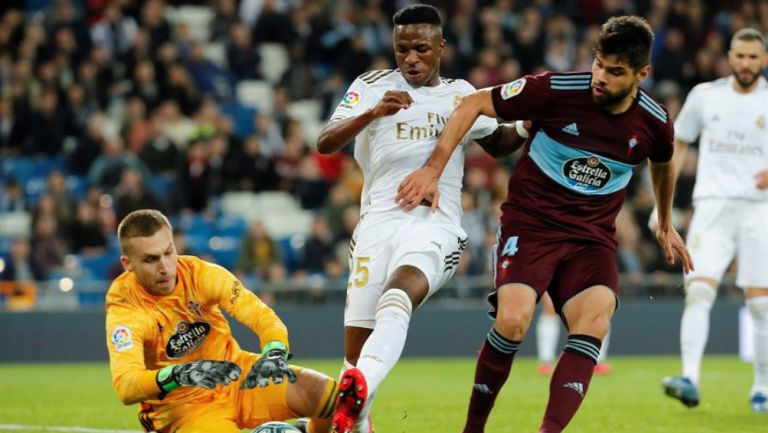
(722,228)
(383,242)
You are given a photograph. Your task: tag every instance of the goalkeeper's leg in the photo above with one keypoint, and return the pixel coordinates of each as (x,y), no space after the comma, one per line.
(314,396)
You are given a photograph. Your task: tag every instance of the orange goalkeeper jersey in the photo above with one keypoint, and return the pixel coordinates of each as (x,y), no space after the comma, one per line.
(146,333)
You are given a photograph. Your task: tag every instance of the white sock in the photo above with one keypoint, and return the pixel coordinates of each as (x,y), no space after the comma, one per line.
(604,347)
(344,367)
(758,308)
(547,336)
(385,345)
(694,327)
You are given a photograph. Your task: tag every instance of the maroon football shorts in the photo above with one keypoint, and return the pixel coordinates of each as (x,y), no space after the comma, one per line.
(552,262)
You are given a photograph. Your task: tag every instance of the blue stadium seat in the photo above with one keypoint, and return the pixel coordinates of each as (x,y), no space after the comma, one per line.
(290,250)
(242,117)
(233,226)
(77,186)
(99,266)
(34,188)
(161,186)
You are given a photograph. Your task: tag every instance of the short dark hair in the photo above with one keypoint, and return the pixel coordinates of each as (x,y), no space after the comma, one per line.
(417,14)
(748,35)
(628,37)
(141,223)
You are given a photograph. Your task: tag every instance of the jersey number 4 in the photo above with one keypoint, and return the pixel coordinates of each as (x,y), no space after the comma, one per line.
(510,247)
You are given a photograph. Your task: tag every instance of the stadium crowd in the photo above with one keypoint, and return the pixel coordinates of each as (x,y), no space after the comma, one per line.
(111,106)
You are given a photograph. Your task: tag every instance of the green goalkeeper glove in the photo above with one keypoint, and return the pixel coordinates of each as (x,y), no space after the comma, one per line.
(273,364)
(203,373)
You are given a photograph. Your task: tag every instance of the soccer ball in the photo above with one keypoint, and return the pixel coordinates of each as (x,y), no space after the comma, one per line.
(276,427)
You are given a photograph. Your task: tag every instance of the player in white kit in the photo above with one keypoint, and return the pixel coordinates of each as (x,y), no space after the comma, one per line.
(398,258)
(730,208)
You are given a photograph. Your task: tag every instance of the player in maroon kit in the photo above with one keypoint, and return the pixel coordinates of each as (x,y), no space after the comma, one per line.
(558,223)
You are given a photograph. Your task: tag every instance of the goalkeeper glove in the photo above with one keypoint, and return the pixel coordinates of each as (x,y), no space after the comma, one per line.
(203,373)
(273,364)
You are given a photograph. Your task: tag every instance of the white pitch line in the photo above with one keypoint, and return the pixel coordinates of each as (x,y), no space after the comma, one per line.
(17,427)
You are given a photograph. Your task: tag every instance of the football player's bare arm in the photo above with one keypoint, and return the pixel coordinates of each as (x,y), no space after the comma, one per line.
(337,134)
(505,140)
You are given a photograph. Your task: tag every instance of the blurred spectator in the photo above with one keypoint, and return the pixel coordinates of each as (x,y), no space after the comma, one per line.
(242,55)
(12,198)
(273,24)
(49,127)
(210,78)
(310,187)
(224,18)
(257,171)
(194,176)
(132,194)
(48,248)
(271,140)
(258,251)
(21,266)
(107,170)
(153,19)
(318,249)
(12,130)
(59,192)
(85,234)
(115,32)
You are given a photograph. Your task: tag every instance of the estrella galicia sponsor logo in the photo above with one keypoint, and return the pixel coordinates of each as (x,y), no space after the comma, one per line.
(187,338)
(586,174)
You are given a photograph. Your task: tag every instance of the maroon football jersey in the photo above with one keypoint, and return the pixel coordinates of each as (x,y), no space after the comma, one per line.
(572,176)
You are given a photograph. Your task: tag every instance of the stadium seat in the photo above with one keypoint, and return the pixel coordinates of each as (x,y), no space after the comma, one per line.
(274,61)
(77,186)
(15,224)
(242,117)
(225,250)
(197,18)
(232,226)
(99,266)
(307,112)
(257,94)
(217,53)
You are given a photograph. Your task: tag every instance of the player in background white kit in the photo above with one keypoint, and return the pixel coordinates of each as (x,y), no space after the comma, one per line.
(730,208)
(398,258)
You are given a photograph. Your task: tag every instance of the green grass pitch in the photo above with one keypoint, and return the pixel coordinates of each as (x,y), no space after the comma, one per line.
(426,395)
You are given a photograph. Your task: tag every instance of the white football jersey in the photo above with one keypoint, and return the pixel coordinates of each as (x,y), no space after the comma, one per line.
(733,146)
(392,147)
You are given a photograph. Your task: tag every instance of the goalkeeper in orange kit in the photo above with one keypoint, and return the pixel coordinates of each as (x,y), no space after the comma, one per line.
(171,348)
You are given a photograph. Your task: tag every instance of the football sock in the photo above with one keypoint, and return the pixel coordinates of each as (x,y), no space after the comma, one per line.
(547,335)
(694,327)
(758,309)
(385,344)
(604,348)
(570,381)
(492,370)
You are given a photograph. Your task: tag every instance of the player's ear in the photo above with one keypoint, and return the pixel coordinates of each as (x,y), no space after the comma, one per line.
(126,263)
(643,73)
(442,44)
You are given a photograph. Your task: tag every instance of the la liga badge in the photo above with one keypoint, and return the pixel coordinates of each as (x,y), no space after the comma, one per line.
(122,338)
(512,89)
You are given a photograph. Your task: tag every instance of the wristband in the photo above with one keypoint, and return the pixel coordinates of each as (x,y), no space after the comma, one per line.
(165,379)
(520,128)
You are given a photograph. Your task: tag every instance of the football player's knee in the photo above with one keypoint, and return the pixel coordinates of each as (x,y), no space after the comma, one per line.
(512,323)
(700,293)
(394,304)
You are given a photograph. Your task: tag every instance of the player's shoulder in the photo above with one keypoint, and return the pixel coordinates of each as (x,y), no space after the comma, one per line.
(648,105)
(566,81)
(378,77)
(121,292)
(458,84)
(710,87)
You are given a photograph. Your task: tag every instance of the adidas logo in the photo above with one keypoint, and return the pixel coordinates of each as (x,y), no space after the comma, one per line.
(483,388)
(571,129)
(576,386)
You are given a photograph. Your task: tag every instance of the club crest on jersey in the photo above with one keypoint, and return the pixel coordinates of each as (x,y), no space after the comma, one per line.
(194,307)
(761,121)
(350,99)
(586,173)
(122,338)
(512,89)
(632,143)
(457,99)
(187,338)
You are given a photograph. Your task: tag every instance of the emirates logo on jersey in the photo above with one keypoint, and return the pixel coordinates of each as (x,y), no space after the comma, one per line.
(187,338)
(586,174)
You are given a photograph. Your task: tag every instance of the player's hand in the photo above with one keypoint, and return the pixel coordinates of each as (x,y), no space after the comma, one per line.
(392,102)
(762,180)
(673,244)
(273,364)
(417,186)
(202,373)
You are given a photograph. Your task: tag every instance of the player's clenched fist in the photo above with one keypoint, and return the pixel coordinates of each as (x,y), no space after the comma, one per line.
(273,364)
(392,102)
(203,373)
